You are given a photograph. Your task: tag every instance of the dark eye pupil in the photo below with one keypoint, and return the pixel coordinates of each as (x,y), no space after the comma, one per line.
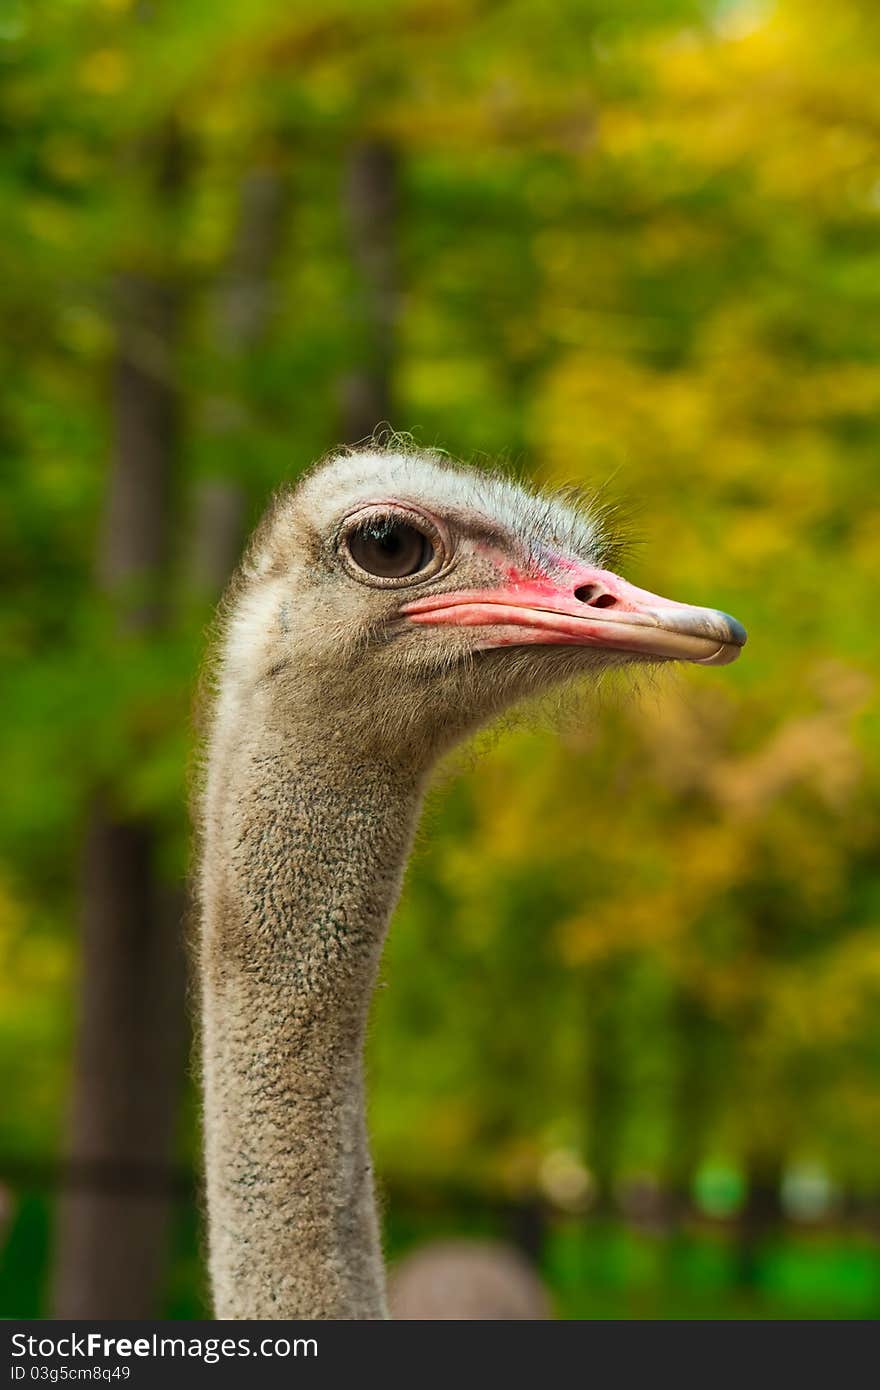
(389,549)
(387,538)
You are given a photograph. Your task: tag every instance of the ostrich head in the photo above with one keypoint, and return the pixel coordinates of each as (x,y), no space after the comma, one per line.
(416,599)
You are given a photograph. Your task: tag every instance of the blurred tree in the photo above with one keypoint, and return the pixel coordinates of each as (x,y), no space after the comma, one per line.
(372,197)
(127,1064)
(243,312)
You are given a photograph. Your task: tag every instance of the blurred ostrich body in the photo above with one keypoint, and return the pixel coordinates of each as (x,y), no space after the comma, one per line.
(455,1280)
(388,606)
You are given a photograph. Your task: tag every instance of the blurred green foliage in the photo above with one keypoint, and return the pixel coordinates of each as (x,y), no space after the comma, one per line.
(639,246)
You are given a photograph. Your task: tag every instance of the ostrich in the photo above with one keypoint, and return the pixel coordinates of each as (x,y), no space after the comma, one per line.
(389,605)
(451,1280)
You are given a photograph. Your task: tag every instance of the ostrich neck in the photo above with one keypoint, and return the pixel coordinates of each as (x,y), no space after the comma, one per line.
(303,859)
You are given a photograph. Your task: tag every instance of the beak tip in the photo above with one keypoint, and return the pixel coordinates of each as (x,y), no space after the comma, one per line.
(738,635)
(734,638)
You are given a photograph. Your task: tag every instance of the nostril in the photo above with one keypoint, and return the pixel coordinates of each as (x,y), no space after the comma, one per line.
(595,596)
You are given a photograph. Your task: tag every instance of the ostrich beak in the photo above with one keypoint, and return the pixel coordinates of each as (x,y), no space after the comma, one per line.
(593,608)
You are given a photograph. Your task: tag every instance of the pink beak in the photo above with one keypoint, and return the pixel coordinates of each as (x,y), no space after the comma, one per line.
(594,608)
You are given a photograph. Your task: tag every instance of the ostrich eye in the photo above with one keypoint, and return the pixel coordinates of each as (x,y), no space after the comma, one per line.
(389,549)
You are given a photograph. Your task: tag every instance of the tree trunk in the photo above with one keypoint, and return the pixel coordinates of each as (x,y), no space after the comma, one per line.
(114,1216)
(243,314)
(605,1083)
(695,1043)
(760,1217)
(371,205)
(133,555)
(115,1212)
(765,1144)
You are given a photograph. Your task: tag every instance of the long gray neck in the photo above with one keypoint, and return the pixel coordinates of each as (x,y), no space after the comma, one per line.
(303,859)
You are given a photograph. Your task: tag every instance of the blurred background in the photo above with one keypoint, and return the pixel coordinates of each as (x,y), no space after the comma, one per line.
(629,1017)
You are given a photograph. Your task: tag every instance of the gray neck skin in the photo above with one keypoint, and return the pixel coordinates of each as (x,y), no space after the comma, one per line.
(303,860)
